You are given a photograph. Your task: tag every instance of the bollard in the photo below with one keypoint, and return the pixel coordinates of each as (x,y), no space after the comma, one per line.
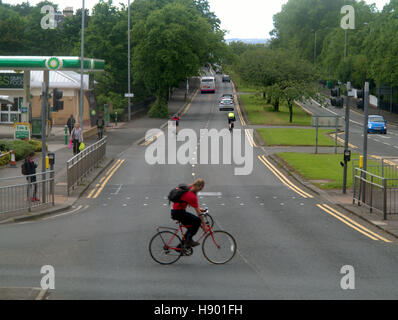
(115,119)
(66,135)
(13,163)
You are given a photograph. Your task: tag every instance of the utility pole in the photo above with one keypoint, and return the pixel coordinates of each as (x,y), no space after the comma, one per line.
(128,60)
(365,124)
(347,135)
(345,45)
(43,138)
(81,70)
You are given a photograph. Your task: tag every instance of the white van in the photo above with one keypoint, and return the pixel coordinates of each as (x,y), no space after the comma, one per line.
(207,84)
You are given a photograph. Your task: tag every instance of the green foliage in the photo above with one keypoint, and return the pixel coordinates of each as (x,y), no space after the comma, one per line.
(159,109)
(4,159)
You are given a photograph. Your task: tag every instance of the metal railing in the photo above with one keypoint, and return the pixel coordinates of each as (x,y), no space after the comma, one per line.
(26,192)
(82,163)
(379,193)
(383,167)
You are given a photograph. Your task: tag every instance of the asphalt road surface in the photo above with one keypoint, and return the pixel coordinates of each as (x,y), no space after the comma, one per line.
(291,245)
(378,144)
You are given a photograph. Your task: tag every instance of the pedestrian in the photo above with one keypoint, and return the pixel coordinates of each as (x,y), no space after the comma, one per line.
(77,138)
(30,172)
(100,126)
(71,123)
(176,118)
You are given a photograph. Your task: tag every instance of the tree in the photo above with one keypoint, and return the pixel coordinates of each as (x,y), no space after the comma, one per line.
(170,45)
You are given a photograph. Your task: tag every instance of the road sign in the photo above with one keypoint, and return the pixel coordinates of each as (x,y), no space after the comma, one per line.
(22,130)
(129,95)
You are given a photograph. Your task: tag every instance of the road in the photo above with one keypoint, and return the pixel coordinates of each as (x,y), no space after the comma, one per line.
(378,144)
(292,244)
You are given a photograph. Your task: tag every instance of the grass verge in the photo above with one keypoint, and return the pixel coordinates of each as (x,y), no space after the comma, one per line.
(295,137)
(259,112)
(322,170)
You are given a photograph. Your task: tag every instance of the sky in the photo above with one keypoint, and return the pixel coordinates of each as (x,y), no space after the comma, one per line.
(244,19)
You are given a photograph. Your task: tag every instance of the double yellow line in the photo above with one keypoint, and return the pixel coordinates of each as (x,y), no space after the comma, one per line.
(104,180)
(242,120)
(283,179)
(250,138)
(351,223)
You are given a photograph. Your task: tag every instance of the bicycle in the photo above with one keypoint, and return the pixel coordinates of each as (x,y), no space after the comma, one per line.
(166,247)
(231,126)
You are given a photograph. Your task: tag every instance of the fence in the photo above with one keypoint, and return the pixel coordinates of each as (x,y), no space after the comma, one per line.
(81,164)
(379,193)
(19,193)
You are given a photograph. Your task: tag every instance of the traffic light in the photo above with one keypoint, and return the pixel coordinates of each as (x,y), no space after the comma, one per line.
(57,104)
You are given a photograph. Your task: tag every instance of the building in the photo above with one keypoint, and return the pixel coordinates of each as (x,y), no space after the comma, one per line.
(11,85)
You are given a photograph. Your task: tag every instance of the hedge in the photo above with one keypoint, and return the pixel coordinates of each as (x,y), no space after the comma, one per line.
(20,147)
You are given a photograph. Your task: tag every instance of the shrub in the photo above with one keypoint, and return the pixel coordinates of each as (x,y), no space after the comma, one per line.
(159,109)
(20,147)
(4,159)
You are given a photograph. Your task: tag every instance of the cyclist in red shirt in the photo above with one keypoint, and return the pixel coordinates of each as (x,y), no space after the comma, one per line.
(176,118)
(179,213)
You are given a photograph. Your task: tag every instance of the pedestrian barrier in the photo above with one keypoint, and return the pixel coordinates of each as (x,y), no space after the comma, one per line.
(26,192)
(377,192)
(84,162)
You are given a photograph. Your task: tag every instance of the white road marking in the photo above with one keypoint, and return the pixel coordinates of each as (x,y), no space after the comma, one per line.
(117,191)
(210,194)
(65,213)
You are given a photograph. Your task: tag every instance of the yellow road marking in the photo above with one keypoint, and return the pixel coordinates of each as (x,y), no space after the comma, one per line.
(346,222)
(283,179)
(250,138)
(302,107)
(189,104)
(342,141)
(242,120)
(287,180)
(107,179)
(355,223)
(102,179)
(152,139)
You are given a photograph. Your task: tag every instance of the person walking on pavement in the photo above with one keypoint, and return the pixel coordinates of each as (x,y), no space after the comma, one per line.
(71,123)
(100,125)
(30,171)
(77,138)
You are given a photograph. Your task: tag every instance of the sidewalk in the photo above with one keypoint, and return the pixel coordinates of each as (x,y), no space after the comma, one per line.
(119,139)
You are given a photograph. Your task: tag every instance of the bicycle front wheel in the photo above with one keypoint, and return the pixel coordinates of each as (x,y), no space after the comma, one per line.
(219,247)
(165,247)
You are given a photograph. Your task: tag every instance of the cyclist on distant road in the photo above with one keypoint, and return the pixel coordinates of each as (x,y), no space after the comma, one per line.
(231,120)
(176,118)
(179,213)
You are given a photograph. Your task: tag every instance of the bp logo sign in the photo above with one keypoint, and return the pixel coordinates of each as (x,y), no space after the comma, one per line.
(53,63)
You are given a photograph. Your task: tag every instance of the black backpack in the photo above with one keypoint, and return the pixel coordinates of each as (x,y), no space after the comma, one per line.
(176,193)
(24,169)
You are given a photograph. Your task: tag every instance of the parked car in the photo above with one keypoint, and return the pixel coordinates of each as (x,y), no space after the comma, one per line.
(225,78)
(226,104)
(377,124)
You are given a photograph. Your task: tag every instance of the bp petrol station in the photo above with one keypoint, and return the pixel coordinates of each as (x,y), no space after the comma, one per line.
(22,67)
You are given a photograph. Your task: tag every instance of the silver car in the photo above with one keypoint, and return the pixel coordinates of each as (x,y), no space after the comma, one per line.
(226,104)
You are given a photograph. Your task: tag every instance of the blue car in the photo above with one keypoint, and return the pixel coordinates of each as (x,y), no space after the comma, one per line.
(377,124)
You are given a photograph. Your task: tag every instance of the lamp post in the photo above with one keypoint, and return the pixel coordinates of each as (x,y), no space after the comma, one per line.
(128,61)
(81,70)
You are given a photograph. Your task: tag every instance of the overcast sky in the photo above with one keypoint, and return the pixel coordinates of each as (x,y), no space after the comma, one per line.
(241,18)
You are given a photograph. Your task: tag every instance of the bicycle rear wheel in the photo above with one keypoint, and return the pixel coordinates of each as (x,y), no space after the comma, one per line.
(219,247)
(165,247)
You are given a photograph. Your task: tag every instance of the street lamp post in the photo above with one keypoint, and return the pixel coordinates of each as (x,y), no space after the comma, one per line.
(81,70)
(128,60)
